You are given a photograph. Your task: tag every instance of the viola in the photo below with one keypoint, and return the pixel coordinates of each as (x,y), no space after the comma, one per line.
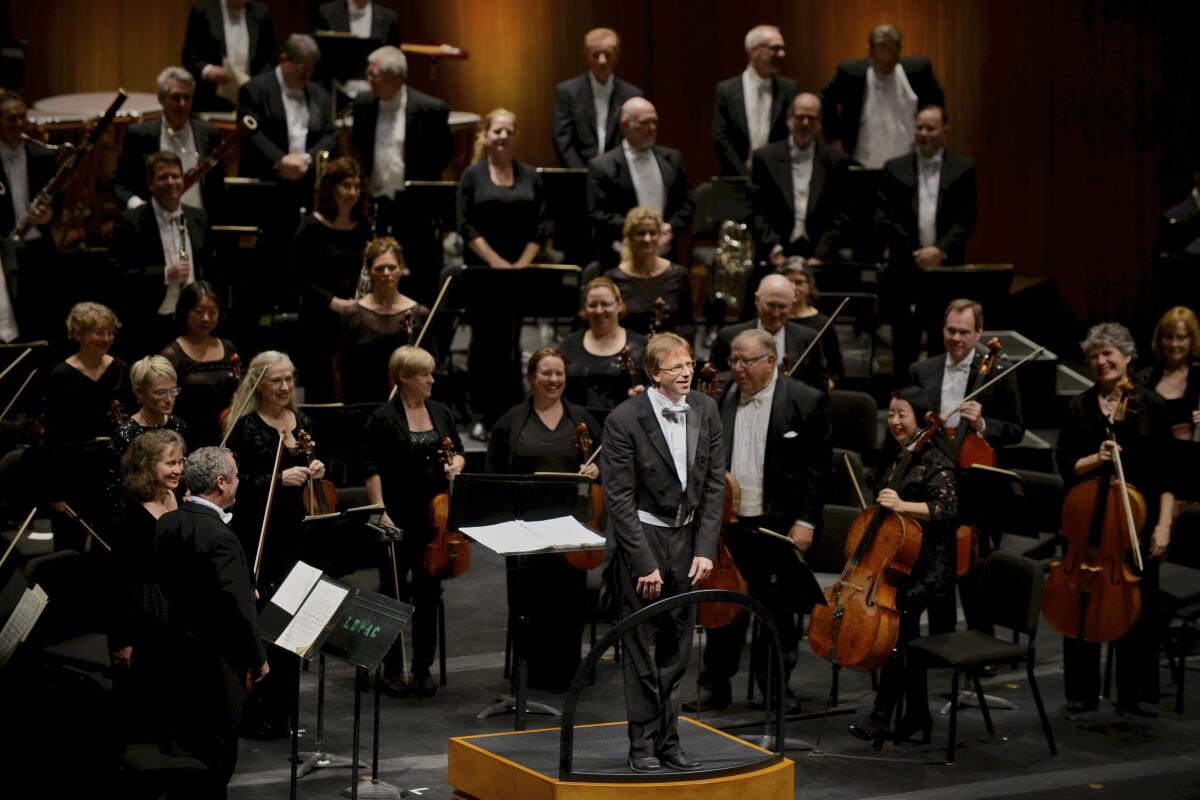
(235,366)
(725,574)
(588,559)
(1092,594)
(626,357)
(320,496)
(409,324)
(711,383)
(448,554)
(973,449)
(116,412)
(660,314)
(859,625)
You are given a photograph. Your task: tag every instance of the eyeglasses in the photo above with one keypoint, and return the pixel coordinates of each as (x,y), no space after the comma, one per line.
(675,370)
(163,394)
(745,362)
(601,306)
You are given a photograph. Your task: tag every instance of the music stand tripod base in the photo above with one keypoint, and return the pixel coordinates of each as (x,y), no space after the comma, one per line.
(369,789)
(508,702)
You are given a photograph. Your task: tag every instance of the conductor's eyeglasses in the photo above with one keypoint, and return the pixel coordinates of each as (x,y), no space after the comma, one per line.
(675,370)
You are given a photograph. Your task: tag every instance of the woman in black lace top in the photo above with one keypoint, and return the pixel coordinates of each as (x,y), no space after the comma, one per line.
(154,386)
(382,320)
(928,493)
(207,367)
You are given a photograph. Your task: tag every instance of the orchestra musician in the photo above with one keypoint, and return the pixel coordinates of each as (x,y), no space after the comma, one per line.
(226,42)
(538,435)
(762,97)
(779,447)
(155,386)
(644,277)
(363,18)
(587,108)
(600,375)
(405,470)
(664,466)
(207,367)
(1175,373)
(928,493)
(1084,446)
(804,280)
(327,256)
(382,320)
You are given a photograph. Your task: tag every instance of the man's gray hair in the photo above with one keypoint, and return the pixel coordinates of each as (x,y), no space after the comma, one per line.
(174,74)
(756,336)
(301,47)
(1109,334)
(203,466)
(757,34)
(884,34)
(391,60)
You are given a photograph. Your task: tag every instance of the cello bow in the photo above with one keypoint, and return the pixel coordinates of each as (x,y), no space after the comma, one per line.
(820,333)
(262,534)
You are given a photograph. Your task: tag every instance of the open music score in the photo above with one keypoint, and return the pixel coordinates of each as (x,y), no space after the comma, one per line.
(523,537)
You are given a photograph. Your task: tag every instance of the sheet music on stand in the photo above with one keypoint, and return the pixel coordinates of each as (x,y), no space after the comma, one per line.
(525,537)
(21,604)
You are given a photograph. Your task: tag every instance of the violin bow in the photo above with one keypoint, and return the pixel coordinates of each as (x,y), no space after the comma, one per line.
(245,402)
(592,457)
(20,532)
(436,305)
(1129,526)
(996,379)
(15,361)
(820,333)
(862,501)
(262,534)
(71,513)
(8,407)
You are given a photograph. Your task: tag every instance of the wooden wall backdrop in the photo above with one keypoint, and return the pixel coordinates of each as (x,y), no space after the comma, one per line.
(1079,113)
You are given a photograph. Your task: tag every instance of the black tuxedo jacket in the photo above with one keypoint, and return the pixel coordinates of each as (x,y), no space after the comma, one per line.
(842,97)
(40,165)
(1003,422)
(385,23)
(611,193)
(575,119)
(639,474)
(205,577)
(774,199)
(204,44)
(137,253)
(731,130)
(428,143)
(262,97)
(798,455)
(796,338)
(957,207)
(142,140)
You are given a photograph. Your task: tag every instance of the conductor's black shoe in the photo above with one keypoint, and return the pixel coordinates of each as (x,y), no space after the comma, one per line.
(644,764)
(1136,710)
(709,699)
(679,760)
(394,686)
(422,685)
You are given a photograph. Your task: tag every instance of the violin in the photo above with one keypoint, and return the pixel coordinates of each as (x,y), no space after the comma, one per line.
(409,325)
(588,559)
(725,574)
(626,358)
(660,313)
(116,412)
(973,449)
(709,381)
(235,366)
(859,625)
(1092,593)
(448,554)
(320,496)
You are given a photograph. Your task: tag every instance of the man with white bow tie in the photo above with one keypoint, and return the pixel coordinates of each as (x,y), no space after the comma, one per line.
(750,110)
(779,447)
(664,467)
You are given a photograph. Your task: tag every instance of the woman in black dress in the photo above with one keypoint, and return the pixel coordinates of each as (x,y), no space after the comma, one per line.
(207,367)
(644,278)
(928,493)
(327,259)
(598,377)
(538,435)
(402,459)
(502,219)
(802,276)
(151,469)
(1175,374)
(155,388)
(382,320)
(1084,450)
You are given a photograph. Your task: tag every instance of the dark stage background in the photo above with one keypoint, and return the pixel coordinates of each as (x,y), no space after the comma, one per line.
(1081,116)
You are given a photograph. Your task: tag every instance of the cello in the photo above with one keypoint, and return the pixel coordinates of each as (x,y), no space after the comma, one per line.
(448,554)
(971,449)
(725,574)
(1092,593)
(859,625)
(588,559)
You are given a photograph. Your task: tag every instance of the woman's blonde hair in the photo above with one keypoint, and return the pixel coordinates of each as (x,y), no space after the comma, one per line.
(603,283)
(88,316)
(1167,322)
(407,361)
(480,148)
(254,374)
(636,216)
(147,369)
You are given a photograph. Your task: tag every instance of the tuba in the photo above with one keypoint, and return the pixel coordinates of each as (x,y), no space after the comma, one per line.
(319,165)
(733,264)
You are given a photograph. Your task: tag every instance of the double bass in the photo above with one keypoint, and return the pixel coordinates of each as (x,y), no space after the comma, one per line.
(859,625)
(588,559)
(448,554)
(725,574)
(1092,594)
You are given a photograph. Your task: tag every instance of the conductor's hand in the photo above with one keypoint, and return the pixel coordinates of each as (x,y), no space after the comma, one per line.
(294,476)
(316,468)
(262,672)
(649,587)
(972,412)
(701,569)
(888,499)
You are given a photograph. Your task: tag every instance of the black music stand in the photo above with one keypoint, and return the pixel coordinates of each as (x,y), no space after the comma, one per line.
(862,195)
(538,290)
(477,500)
(343,58)
(566,203)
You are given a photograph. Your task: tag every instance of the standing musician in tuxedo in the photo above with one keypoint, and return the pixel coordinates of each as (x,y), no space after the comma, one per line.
(212,628)
(779,447)
(225,38)
(191,139)
(750,109)
(363,18)
(402,134)
(587,108)
(946,380)
(773,302)
(664,478)
(638,173)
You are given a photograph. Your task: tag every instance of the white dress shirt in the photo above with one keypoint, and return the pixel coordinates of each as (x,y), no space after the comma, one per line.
(757,91)
(802,170)
(954,387)
(387,175)
(929,178)
(295,107)
(8,317)
(16,167)
(885,129)
(226,516)
(647,178)
(780,344)
(601,96)
(750,447)
(360,18)
(182,143)
(175,240)
(237,37)
(675,432)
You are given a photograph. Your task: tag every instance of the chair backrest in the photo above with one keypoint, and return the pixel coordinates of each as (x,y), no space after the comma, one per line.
(1012,590)
(77,604)
(1044,491)
(828,552)
(855,420)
